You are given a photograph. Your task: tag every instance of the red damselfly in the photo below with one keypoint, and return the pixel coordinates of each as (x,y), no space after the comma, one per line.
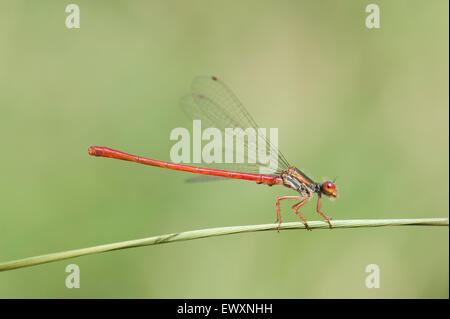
(214,104)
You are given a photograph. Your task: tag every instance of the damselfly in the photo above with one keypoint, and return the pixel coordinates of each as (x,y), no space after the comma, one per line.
(215,105)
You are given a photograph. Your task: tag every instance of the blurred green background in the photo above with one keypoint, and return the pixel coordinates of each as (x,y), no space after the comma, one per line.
(368,106)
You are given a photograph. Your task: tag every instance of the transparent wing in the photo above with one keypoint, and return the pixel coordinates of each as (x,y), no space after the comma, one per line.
(205,178)
(212,102)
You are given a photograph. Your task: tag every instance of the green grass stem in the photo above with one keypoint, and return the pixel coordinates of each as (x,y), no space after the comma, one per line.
(220,231)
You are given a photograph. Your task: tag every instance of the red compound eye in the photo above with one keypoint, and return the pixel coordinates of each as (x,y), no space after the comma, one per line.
(329,189)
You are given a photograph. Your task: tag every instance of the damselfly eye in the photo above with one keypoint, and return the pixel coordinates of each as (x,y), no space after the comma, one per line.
(329,189)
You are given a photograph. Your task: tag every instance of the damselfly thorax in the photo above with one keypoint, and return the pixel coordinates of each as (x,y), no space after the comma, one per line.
(298,181)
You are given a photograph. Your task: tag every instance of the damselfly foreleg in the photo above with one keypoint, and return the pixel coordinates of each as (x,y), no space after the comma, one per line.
(327,218)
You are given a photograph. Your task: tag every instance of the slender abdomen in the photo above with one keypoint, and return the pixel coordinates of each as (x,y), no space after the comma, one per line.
(111,153)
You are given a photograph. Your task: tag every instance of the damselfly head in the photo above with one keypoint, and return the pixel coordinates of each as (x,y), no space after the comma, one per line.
(329,188)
